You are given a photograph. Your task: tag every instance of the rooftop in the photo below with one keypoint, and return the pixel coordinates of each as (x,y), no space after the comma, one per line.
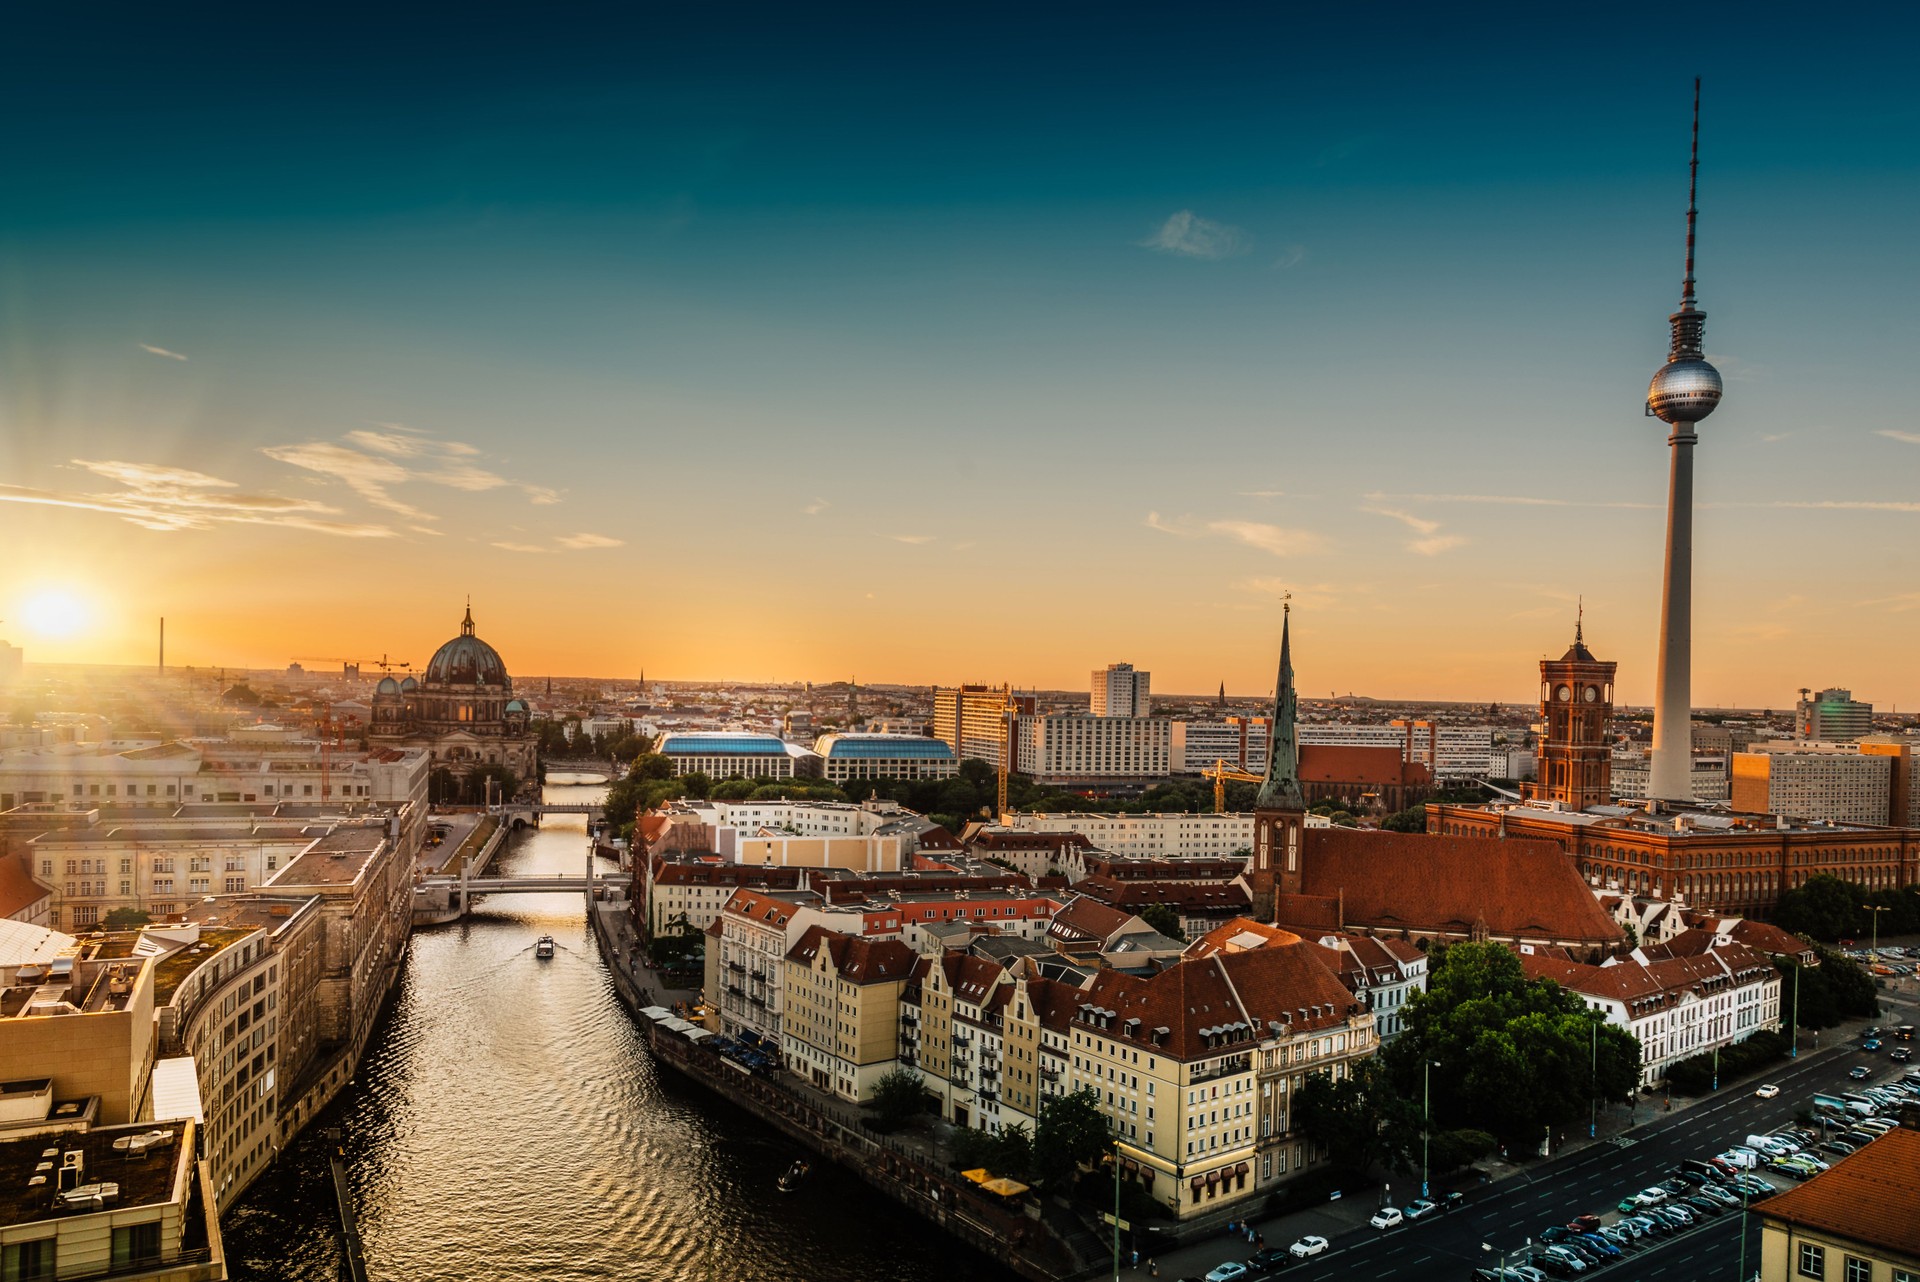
(868,747)
(146,1180)
(336,859)
(1871,1197)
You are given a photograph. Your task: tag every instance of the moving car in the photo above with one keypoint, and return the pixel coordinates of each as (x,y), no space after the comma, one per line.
(1420,1209)
(1768,1091)
(1900,1054)
(1387,1217)
(1231,1271)
(1871,1044)
(1859,1072)
(1311,1244)
(1268,1260)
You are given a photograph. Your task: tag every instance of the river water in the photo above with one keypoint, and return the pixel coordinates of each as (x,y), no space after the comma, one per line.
(509,1122)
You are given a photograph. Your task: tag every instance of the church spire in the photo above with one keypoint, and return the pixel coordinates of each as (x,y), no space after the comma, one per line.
(1280,790)
(466,624)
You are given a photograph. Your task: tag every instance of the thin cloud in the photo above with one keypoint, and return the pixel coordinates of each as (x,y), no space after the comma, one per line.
(815,508)
(1428,541)
(915,539)
(168,499)
(1894,434)
(519,547)
(160,351)
(1189,235)
(372,462)
(1511,500)
(1262,494)
(1293,257)
(1899,604)
(1772,438)
(1275,540)
(582,541)
(367,475)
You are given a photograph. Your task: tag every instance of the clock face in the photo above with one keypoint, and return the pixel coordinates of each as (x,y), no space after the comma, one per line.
(1593,694)
(1563,693)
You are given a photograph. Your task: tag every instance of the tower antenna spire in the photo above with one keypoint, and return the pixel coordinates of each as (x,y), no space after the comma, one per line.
(1693,210)
(1579,617)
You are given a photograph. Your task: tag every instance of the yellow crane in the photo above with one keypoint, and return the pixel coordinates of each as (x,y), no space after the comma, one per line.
(1220,773)
(1006,750)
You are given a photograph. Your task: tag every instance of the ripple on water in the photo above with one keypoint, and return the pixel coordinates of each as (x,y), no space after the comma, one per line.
(510,1123)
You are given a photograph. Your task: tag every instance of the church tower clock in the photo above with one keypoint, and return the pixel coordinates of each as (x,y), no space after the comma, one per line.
(1576,702)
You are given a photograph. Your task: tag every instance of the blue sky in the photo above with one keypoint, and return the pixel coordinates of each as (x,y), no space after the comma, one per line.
(786,341)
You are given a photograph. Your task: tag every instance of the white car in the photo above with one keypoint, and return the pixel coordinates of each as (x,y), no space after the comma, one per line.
(1231,1271)
(1388,1217)
(1651,1197)
(1769,1091)
(1311,1244)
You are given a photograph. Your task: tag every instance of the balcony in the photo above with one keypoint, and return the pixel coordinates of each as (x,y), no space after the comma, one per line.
(736,965)
(756,999)
(736,990)
(908,1017)
(1222,1068)
(1049,1074)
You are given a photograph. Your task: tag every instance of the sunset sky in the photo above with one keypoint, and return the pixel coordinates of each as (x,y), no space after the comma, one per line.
(998,345)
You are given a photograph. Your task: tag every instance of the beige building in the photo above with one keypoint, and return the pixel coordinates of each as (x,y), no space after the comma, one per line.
(1833,782)
(1858,1222)
(1081,748)
(842,1015)
(162,777)
(85,1025)
(157,1225)
(973,720)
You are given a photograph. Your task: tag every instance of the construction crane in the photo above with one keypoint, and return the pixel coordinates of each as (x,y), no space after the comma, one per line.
(1220,773)
(330,729)
(383,663)
(1006,750)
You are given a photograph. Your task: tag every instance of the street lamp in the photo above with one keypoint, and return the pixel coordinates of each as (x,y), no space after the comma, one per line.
(1876,910)
(1716,1068)
(1794,1052)
(1426,1116)
(1593,1080)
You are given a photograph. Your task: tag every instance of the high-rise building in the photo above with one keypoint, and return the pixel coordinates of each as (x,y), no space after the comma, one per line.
(1576,699)
(1121,691)
(1830,782)
(1068,748)
(974,720)
(12,660)
(1684,391)
(1833,715)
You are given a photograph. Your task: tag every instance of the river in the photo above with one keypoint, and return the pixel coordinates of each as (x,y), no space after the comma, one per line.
(509,1122)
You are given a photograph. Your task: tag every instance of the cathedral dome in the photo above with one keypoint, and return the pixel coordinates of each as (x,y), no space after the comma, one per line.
(387,686)
(408,685)
(466,660)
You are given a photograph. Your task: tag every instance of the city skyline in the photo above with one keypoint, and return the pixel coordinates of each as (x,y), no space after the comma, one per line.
(699,365)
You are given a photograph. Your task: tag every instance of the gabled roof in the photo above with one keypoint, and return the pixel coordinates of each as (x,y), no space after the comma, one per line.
(1182,895)
(1445,884)
(18,890)
(856,959)
(1871,1197)
(1085,920)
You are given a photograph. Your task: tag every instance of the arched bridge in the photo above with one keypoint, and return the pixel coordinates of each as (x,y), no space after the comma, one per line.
(518,813)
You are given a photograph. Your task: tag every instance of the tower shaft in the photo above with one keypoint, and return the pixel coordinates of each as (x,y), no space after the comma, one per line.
(1671,778)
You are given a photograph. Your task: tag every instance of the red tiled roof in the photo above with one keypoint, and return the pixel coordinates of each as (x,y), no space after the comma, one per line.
(1412,881)
(18,890)
(1237,936)
(1195,869)
(1769,938)
(1871,1197)
(1387,767)
(857,959)
(1084,920)
(1188,896)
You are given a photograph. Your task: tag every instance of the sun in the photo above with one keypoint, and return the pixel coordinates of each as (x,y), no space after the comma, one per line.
(55,613)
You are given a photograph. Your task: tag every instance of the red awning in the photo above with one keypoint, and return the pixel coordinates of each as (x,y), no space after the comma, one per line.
(1240,1169)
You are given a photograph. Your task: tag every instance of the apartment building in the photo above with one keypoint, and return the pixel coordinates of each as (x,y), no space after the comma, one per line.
(1121,690)
(1833,716)
(209,771)
(974,720)
(841,1025)
(1830,782)
(1382,973)
(1075,748)
(1152,835)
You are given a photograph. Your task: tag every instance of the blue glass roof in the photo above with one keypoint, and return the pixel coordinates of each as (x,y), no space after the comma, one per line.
(878,747)
(729,745)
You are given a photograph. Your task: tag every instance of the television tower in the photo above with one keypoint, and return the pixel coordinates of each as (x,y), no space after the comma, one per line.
(1685,390)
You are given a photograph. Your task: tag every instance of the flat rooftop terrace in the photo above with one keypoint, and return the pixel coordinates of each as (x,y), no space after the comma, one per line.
(145,1178)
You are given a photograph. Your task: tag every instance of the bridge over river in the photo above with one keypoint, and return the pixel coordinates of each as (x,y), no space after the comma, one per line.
(585,769)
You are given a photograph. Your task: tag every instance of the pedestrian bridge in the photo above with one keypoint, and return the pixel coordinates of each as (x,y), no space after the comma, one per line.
(593,769)
(522,813)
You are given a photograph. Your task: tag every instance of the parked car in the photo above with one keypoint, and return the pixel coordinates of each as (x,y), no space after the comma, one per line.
(1714,1192)
(1651,1196)
(1584,1223)
(1387,1217)
(1231,1271)
(1768,1091)
(1595,1242)
(1840,1147)
(1311,1244)
(1419,1209)
(1269,1260)
(1452,1201)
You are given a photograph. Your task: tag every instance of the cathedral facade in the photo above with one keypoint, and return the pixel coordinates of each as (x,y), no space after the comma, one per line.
(462,710)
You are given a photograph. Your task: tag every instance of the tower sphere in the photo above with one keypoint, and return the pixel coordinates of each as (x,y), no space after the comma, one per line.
(1684,391)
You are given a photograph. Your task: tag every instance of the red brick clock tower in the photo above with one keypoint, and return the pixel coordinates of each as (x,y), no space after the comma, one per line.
(1576,701)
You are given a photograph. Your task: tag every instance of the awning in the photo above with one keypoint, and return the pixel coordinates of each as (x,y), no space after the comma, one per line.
(1240,1169)
(1005,1187)
(979,1175)
(1213,1177)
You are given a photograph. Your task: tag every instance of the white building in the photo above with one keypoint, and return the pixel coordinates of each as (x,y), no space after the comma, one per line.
(1119,690)
(726,754)
(1835,782)
(1678,1006)
(973,720)
(1074,748)
(1152,835)
(1632,769)
(849,757)
(206,771)
(1831,715)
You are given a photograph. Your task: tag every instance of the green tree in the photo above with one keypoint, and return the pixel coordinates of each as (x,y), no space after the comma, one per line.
(1412,819)
(1823,907)
(125,919)
(493,781)
(898,1098)
(1164,919)
(651,765)
(1356,1119)
(1072,1133)
(1514,1056)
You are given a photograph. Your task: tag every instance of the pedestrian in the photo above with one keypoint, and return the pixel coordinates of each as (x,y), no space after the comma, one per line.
(1249,1235)
(1233,1227)
(1260,1241)
(1136,1260)
(1153,1269)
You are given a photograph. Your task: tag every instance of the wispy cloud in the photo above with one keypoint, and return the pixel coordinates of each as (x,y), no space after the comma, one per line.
(582,541)
(367,475)
(1898,604)
(1773,438)
(1894,434)
(915,539)
(1508,500)
(1293,257)
(815,508)
(160,351)
(1428,540)
(1734,369)
(518,547)
(1276,540)
(372,463)
(1262,494)
(168,499)
(1189,235)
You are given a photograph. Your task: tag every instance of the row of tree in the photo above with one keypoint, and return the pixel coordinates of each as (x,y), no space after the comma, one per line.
(1070,1134)
(1830,908)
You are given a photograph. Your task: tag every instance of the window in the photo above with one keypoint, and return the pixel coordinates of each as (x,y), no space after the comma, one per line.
(1813,1261)
(1859,1270)
(137,1244)
(27,1261)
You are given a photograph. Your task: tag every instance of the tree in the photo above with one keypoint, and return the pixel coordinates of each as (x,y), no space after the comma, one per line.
(1071,1133)
(1164,919)
(1514,1055)
(125,919)
(493,781)
(651,765)
(1342,1117)
(1412,819)
(1823,907)
(898,1098)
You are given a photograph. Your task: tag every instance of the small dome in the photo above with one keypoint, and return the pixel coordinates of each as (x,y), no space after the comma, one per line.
(514,705)
(408,685)
(387,686)
(1684,391)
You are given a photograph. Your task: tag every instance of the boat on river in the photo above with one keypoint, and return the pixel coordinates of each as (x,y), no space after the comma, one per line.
(790,1181)
(544,948)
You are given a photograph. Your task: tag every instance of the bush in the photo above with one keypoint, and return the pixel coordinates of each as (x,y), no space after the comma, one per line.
(1694,1076)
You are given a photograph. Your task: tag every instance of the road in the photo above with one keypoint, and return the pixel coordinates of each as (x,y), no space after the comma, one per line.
(1590,1181)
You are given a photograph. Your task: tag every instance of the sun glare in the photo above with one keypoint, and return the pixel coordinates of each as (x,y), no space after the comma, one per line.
(55,613)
